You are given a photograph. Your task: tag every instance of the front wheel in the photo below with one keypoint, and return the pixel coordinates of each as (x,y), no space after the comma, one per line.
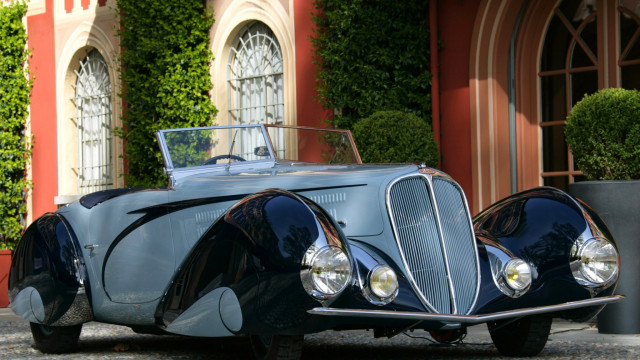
(280,347)
(55,339)
(526,336)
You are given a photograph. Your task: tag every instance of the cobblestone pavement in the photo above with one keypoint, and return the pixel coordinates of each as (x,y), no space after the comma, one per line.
(101,341)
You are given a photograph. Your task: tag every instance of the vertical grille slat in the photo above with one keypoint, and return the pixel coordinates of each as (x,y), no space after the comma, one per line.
(431,245)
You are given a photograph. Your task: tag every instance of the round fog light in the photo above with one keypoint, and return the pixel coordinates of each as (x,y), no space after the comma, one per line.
(383,282)
(517,274)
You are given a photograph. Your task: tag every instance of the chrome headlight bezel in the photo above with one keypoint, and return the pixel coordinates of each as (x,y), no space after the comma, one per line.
(582,262)
(502,264)
(517,275)
(369,288)
(317,261)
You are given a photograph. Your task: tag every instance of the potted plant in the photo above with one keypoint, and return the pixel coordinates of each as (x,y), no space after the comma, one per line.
(603,132)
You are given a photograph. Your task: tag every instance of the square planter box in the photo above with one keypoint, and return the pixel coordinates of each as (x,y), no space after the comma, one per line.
(5,265)
(618,203)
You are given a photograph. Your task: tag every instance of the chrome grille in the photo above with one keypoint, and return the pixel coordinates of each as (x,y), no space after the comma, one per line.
(433,230)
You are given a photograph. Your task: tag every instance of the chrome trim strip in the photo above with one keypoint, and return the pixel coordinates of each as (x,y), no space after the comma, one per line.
(471,230)
(168,165)
(466,319)
(447,268)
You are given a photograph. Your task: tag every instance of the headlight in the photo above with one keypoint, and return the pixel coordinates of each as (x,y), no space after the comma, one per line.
(517,275)
(325,272)
(594,262)
(512,275)
(383,283)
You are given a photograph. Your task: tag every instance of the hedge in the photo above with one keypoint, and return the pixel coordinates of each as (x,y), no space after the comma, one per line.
(165,74)
(15,143)
(372,56)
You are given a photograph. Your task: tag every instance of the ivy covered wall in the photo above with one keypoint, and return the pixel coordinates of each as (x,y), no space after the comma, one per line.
(373,55)
(165,71)
(15,144)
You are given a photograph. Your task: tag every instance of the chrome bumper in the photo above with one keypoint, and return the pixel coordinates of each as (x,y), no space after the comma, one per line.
(462,319)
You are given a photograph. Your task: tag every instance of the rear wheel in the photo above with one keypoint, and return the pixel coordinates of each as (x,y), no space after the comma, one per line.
(526,336)
(55,339)
(280,347)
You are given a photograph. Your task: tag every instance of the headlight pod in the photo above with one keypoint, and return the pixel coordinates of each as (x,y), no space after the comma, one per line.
(594,262)
(382,285)
(325,272)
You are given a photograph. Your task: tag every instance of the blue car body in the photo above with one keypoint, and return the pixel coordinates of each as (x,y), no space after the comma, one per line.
(231,248)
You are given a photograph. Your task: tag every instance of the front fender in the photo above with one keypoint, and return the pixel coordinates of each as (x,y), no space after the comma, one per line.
(540,226)
(48,282)
(255,250)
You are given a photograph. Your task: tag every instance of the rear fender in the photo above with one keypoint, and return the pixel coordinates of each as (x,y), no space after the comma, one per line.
(48,282)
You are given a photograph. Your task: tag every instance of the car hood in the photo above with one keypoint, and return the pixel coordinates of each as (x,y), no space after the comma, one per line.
(354,195)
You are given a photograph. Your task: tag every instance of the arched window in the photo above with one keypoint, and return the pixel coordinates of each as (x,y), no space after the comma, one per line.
(585,49)
(256,93)
(93,118)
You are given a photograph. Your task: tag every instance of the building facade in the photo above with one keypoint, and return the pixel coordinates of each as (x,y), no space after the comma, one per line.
(507,75)
(75,105)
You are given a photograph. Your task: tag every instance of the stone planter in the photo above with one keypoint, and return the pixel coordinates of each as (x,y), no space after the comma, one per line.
(5,265)
(618,203)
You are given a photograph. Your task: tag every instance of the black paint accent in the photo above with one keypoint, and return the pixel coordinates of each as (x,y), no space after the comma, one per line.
(156,211)
(93,199)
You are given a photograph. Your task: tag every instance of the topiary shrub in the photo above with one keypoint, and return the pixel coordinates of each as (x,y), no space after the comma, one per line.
(395,137)
(603,132)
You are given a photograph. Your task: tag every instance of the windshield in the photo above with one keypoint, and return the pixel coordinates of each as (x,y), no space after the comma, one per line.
(211,146)
(193,147)
(322,146)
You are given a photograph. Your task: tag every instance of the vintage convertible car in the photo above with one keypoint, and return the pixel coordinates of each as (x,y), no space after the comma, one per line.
(275,232)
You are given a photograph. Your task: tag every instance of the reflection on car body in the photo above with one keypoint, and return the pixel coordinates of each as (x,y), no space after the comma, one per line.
(277,232)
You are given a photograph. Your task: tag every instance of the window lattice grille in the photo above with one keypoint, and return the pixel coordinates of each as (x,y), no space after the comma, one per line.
(256,92)
(94,114)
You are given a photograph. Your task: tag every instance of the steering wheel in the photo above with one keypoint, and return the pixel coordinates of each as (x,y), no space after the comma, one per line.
(214,160)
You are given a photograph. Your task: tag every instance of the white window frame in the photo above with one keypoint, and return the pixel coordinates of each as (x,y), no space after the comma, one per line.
(94,112)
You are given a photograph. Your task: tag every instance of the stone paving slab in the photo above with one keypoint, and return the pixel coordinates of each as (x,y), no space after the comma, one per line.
(103,341)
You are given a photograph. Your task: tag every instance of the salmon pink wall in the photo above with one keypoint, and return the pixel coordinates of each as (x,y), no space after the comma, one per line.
(43,110)
(309,111)
(455,21)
